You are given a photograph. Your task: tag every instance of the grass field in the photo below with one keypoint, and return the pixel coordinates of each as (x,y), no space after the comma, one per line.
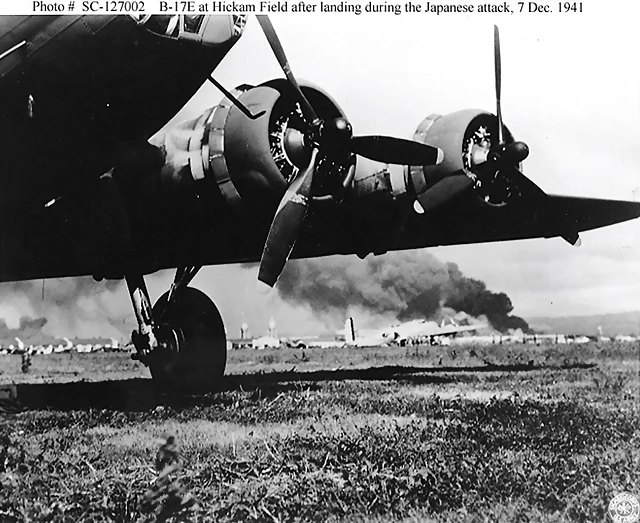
(497,433)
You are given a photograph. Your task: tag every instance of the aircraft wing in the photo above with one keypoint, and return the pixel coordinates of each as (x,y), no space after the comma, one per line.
(454,329)
(430,329)
(466,219)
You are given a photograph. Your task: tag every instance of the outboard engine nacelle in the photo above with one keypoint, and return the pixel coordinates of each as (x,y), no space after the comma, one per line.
(467,139)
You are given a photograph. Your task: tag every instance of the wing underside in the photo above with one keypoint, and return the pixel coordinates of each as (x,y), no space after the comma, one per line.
(467,220)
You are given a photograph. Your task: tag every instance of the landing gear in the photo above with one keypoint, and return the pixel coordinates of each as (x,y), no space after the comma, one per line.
(182,338)
(195,323)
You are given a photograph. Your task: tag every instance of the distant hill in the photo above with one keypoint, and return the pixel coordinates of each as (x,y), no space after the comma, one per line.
(626,323)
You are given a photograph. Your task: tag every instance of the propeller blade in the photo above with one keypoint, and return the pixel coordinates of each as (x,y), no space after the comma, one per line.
(397,151)
(518,151)
(442,192)
(278,51)
(287,224)
(498,73)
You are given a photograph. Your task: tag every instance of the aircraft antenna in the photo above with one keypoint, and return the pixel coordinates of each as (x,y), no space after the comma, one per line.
(243,108)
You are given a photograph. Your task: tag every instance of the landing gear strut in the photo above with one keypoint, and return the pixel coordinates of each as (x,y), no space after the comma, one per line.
(182,337)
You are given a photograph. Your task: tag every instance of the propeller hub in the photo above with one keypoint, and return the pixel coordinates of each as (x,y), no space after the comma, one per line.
(342,124)
(516,152)
(335,137)
(512,153)
(336,131)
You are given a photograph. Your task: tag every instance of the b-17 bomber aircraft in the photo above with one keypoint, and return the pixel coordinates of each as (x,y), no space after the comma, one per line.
(267,174)
(403,332)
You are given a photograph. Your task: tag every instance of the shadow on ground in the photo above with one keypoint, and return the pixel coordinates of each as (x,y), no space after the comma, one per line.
(140,394)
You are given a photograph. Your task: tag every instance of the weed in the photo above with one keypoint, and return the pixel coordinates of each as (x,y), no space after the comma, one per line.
(167,497)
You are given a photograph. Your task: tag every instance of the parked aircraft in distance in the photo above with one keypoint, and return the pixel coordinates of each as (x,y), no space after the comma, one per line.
(414,330)
(267,174)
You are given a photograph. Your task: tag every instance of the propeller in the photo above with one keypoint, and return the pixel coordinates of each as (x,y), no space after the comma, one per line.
(331,138)
(338,132)
(505,154)
(505,157)
(274,42)
(395,150)
(498,73)
(287,224)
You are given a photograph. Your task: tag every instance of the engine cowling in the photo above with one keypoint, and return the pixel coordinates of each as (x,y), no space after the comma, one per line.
(253,160)
(466,138)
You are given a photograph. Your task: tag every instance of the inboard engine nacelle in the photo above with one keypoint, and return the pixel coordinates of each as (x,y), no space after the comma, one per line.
(251,160)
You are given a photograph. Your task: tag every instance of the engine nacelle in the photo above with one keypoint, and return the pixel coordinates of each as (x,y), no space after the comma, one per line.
(465,137)
(252,160)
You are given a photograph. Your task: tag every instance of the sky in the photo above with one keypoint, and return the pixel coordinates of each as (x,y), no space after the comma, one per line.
(570,90)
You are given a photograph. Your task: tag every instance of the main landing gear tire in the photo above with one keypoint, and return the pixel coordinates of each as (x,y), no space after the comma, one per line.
(194,322)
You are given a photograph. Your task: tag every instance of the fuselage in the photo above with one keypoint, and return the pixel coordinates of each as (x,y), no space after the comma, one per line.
(78,92)
(80,89)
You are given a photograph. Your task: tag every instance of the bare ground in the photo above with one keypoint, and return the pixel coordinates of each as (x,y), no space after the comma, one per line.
(497,433)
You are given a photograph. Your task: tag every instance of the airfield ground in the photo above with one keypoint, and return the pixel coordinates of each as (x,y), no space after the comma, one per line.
(498,433)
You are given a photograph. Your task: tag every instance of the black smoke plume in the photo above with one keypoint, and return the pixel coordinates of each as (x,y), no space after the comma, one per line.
(472,296)
(406,285)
